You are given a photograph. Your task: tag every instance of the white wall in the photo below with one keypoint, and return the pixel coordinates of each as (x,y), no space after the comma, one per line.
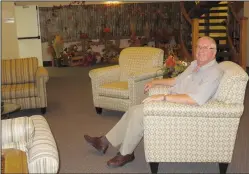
(9,35)
(246,14)
(27,25)
(45,54)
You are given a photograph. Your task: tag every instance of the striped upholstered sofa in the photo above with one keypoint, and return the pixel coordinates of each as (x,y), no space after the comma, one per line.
(33,136)
(24,83)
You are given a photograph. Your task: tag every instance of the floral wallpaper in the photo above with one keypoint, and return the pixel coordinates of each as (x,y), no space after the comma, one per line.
(71,22)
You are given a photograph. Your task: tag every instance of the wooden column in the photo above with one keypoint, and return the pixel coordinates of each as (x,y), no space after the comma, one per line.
(243,42)
(195,35)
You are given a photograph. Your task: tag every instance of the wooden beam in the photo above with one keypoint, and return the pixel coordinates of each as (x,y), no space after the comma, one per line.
(243,42)
(195,35)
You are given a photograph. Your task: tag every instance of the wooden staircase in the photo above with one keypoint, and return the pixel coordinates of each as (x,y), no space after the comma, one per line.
(218,20)
(212,23)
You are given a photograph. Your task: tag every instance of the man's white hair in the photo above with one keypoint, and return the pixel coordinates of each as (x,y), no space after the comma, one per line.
(213,43)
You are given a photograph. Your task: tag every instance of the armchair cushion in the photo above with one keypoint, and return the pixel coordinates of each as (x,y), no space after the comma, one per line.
(115,89)
(19,70)
(15,91)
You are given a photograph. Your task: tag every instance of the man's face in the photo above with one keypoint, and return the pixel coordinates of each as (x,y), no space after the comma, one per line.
(205,51)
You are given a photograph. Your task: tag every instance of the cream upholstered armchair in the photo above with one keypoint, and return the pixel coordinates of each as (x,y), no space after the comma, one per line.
(120,86)
(184,133)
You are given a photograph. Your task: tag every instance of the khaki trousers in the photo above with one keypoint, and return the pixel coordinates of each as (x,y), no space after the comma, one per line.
(129,131)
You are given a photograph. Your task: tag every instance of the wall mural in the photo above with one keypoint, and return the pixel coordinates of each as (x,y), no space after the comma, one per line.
(111,21)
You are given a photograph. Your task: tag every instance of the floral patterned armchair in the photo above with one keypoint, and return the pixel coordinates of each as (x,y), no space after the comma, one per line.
(184,133)
(120,86)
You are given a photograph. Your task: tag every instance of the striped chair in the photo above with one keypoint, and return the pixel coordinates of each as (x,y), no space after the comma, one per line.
(33,136)
(121,86)
(24,83)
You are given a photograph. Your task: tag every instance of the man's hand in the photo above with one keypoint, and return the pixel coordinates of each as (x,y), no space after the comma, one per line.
(147,86)
(158,97)
(165,82)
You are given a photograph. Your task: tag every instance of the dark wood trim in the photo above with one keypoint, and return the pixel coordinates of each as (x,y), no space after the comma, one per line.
(36,37)
(47,63)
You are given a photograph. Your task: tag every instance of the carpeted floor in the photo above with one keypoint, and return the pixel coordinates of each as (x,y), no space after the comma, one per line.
(71,114)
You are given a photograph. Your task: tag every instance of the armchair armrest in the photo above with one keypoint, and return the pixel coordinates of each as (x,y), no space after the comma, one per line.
(43,153)
(147,74)
(212,109)
(17,130)
(40,83)
(103,75)
(41,73)
(137,81)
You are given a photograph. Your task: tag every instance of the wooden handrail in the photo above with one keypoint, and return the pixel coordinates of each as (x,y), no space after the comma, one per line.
(185,14)
(195,35)
(197,6)
(233,12)
(239,57)
(235,55)
(243,42)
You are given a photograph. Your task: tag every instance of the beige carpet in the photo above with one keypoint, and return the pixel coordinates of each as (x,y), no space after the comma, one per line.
(71,114)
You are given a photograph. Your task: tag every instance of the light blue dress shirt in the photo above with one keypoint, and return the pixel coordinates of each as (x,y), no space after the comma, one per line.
(200,85)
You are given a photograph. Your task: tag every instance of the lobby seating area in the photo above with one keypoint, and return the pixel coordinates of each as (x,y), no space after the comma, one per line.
(86,63)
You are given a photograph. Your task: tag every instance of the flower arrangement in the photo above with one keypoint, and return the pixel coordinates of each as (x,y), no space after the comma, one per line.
(173,66)
(58,45)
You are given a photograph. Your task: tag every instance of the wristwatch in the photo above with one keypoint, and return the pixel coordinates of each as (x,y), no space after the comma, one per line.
(165,97)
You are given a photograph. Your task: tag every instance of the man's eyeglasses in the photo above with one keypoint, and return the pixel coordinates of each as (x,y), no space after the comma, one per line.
(204,47)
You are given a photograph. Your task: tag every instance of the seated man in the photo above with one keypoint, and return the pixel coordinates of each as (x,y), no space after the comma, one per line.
(195,86)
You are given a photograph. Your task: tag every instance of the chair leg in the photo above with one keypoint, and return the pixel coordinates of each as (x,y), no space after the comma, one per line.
(98,110)
(223,168)
(43,110)
(154,167)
